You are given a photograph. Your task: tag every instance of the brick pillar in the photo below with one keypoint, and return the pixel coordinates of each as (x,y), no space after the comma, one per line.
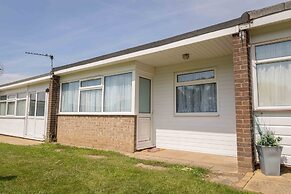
(53,107)
(243,102)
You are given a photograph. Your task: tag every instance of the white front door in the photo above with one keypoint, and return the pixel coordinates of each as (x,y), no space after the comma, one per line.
(144,118)
(35,123)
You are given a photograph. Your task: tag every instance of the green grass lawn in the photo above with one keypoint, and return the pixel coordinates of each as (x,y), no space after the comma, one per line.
(49,168)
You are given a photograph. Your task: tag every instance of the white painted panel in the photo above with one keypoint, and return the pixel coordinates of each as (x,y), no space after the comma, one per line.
(144,129)
(12,126)
(213,143)
(208,134)
(39,132)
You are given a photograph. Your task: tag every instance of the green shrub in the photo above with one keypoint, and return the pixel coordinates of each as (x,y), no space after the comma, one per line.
(267,137)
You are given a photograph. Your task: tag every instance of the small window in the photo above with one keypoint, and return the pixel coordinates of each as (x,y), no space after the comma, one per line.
(92,82)
(11,96)
(196,92)
(4,97)
(202,75)
(273,50)
(10,108)
(21,95)
(90,100)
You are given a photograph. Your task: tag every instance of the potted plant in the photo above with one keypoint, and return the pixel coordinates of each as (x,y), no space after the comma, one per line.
(269,151)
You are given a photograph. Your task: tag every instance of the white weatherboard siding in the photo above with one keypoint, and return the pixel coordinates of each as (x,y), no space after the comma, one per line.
(207,134)
(280,123)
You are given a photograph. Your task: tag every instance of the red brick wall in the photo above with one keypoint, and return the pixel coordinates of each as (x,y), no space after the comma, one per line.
(53,108)
(115,133)
(243,103)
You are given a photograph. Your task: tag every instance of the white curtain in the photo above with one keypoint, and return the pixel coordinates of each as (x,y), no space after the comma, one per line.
(196,98)
(90,100)
(20,108)
(2,108)
(274,84)
(268,51)
(118,93)
(70,93)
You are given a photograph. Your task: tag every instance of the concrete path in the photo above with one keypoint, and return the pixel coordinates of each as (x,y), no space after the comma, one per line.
(223,170)
(216,163)
(270,184)
(18,141)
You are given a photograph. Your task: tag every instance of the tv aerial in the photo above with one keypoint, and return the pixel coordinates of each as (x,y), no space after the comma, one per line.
(1,69)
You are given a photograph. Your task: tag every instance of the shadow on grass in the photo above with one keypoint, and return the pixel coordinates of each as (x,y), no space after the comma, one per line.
(7,178)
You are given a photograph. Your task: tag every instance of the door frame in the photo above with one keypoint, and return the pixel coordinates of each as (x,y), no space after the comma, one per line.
(151,143)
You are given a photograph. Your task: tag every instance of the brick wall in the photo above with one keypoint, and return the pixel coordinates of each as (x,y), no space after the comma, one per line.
(243,102)
(53,106)
(102,132)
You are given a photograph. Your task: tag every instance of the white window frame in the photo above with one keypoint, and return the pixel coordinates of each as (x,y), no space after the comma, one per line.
(103,94)
(254,63)
(35,107)
(5,101)
(196,82)
(15,99)
(97,87)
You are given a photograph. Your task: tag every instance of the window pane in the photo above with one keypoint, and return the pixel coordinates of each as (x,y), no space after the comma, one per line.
(90,101)
(11,96)
(11,108)
(70,92)
(196,98)
(21,95)
(32,98)
(118,93)
(92,82)
(144,95)
(274,88)
(268,51)
(40,105)
(20,108)
(2,108)
(195,76)
(3,97)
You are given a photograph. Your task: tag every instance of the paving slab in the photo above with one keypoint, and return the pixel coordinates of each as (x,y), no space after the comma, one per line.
(18,141)
(270,184)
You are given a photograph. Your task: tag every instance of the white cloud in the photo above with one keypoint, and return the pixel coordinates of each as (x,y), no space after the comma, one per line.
(10,77)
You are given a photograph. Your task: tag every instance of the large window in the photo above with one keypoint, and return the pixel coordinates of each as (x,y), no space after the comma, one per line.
(13,104)
(273,70)
(196,92)
(103,94)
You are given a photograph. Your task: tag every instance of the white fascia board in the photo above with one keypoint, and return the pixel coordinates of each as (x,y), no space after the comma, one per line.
(200,38)
(28,82)
(274,18)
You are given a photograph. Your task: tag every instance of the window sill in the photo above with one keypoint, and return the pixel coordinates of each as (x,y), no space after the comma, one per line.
(12,117)
(96,114)
(273,109)
(196,114)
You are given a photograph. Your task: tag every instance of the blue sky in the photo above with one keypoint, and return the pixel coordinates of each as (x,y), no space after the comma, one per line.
(73,30)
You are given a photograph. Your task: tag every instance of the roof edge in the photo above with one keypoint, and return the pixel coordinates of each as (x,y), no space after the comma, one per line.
(24,80)
(254,14)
